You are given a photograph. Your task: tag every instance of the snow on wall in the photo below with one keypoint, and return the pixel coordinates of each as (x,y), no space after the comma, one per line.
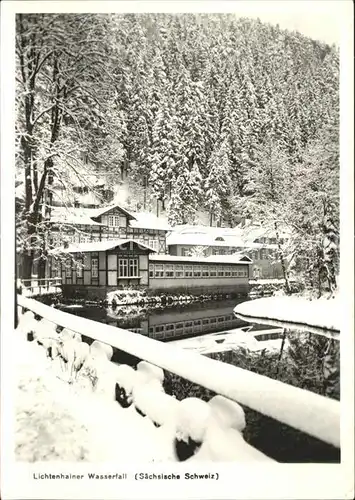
(301,409)
(321,313)
(57,421)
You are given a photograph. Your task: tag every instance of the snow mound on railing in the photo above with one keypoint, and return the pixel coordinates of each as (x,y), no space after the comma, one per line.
(56,421)
(320,313)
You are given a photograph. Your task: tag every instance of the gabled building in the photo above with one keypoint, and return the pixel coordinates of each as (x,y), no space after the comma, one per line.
(84,225)
(255,242)
(90,270)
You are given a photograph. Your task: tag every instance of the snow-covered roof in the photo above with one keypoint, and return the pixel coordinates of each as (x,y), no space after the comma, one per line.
(236,236)
(203,239)
(209,240)
(96,212)
(83,175)
(213,259)
(88,198)
(97,246)
(146,220)
(63,215)
(319,314)
(73,215)
(252,232)
(200,229)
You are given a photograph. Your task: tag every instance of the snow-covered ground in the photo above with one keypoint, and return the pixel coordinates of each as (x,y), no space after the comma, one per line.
(58,421)
(55,421)
(232,339)
(267,281)
(321,313)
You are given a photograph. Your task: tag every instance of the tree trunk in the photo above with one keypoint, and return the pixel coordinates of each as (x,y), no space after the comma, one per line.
(27,264)
(282,261)
(145,193)
(41,268)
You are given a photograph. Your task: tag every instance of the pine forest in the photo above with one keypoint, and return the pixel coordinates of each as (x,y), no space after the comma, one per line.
(200,112)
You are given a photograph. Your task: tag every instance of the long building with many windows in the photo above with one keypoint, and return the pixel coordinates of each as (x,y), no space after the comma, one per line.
(214,274)
(91,270)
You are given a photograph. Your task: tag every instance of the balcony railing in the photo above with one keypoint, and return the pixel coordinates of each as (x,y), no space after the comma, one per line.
(40,286)
(305,411)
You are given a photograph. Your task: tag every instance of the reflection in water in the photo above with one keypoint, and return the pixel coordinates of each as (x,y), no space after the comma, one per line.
(169,322)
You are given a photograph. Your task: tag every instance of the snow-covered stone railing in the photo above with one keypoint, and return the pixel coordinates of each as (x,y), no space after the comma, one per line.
(308,412)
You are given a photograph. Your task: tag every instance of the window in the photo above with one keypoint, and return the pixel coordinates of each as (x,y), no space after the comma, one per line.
(133,267)
(169,270)
(197,271)
(122,268)
(179,271)
(188,271)
(264,253)
(179,326)
(220,271)
(94,267)
(185,252)
(114,220)
(205,321)
(227,271)
(213,272)
(154,244)
(79,268)
(159,271)
(151,270)
(55,268)
(205,272)
(234,272)
(68,269)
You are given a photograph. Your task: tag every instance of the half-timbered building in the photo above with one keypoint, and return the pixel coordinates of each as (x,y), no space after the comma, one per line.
(85,225)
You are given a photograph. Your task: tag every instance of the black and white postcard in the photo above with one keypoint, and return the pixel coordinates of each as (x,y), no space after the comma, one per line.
(177,250)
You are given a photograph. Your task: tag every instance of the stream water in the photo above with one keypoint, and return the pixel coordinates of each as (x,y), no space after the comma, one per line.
(166,322)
